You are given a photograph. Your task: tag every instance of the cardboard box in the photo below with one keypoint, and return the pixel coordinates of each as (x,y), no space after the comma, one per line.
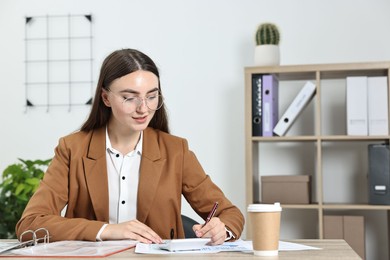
(349,228)
(286,189)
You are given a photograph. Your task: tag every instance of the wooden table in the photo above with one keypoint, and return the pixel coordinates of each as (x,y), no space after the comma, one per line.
(331,249)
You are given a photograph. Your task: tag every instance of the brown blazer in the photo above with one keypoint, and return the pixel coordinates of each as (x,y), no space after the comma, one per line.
(77,177)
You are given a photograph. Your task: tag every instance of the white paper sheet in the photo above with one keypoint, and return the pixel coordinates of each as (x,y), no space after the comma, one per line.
(239,245)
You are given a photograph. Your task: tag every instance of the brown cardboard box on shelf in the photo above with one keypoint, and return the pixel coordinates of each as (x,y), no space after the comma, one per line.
(286,189)
(349,228)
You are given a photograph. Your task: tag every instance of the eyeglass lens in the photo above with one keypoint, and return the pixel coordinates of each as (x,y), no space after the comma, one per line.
(153,102)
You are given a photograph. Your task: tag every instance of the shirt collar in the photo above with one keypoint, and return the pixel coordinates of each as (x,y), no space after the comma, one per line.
(138,147)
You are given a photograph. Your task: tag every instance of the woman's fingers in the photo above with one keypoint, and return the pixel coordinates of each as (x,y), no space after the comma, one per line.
(131,230)
(214,229)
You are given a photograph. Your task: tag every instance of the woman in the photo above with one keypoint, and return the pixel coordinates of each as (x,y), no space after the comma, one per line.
(122,175)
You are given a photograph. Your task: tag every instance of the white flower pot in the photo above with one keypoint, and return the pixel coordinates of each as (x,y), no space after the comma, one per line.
(267,55)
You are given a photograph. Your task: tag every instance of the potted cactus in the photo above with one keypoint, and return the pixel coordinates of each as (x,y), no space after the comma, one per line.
(267,45)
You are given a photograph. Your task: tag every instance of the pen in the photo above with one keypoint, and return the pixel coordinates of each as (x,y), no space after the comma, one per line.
(212,213)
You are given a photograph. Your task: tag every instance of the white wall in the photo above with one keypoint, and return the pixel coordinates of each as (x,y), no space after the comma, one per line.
(201,48)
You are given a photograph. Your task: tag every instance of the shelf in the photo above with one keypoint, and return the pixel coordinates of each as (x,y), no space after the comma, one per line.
(354,138)
(300,206)
(335,70)
(317,145)
(336,206)
(285,139)
(325,138)
(355,207)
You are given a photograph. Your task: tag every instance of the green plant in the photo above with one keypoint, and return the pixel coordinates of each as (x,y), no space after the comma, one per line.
(20,181)
(267,33)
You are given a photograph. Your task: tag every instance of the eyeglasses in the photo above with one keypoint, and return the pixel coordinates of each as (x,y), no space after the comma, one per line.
(153,102)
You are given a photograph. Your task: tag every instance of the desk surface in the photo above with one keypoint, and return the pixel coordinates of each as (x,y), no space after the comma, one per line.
(331,249)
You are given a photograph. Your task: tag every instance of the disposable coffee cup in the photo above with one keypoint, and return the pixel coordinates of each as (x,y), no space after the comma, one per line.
(265,220)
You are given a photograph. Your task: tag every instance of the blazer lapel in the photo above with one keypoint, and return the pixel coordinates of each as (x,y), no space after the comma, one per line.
(96,174)
(150,173)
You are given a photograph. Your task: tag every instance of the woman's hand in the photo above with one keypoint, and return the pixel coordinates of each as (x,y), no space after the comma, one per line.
(215,229)
(131,230)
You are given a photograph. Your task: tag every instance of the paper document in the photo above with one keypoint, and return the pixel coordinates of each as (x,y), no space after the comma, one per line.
(184,244)
(239,245)
(73,248)
(6,246)
(289,246)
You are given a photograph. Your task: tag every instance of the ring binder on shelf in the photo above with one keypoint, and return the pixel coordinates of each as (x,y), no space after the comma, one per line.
(300,101)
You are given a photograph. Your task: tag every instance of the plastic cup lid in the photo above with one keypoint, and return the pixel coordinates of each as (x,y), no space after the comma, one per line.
(264,207)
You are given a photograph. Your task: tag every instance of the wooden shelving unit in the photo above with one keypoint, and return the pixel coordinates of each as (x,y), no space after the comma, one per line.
(318,136)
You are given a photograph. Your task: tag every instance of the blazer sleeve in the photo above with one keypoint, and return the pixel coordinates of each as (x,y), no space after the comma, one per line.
(45,206)
(202,193)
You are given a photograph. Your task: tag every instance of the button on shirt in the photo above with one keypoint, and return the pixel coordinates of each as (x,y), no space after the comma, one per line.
(123,178)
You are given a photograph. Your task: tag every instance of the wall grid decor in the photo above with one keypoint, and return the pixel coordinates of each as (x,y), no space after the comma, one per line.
(58,61)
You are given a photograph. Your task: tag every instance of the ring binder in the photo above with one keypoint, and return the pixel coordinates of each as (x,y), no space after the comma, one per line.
(34,239)
(6,246)
(69,248)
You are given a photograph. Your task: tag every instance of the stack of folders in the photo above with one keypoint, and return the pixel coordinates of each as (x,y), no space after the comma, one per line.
(301,100)
(264,104)
(367,105)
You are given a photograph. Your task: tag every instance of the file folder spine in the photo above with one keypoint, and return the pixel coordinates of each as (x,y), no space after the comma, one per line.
(270,104)
(378,122)
(256,105)
(379,174)
(295,108)
(357,106)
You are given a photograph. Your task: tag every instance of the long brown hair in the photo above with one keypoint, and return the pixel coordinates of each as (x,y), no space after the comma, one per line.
(118,64)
